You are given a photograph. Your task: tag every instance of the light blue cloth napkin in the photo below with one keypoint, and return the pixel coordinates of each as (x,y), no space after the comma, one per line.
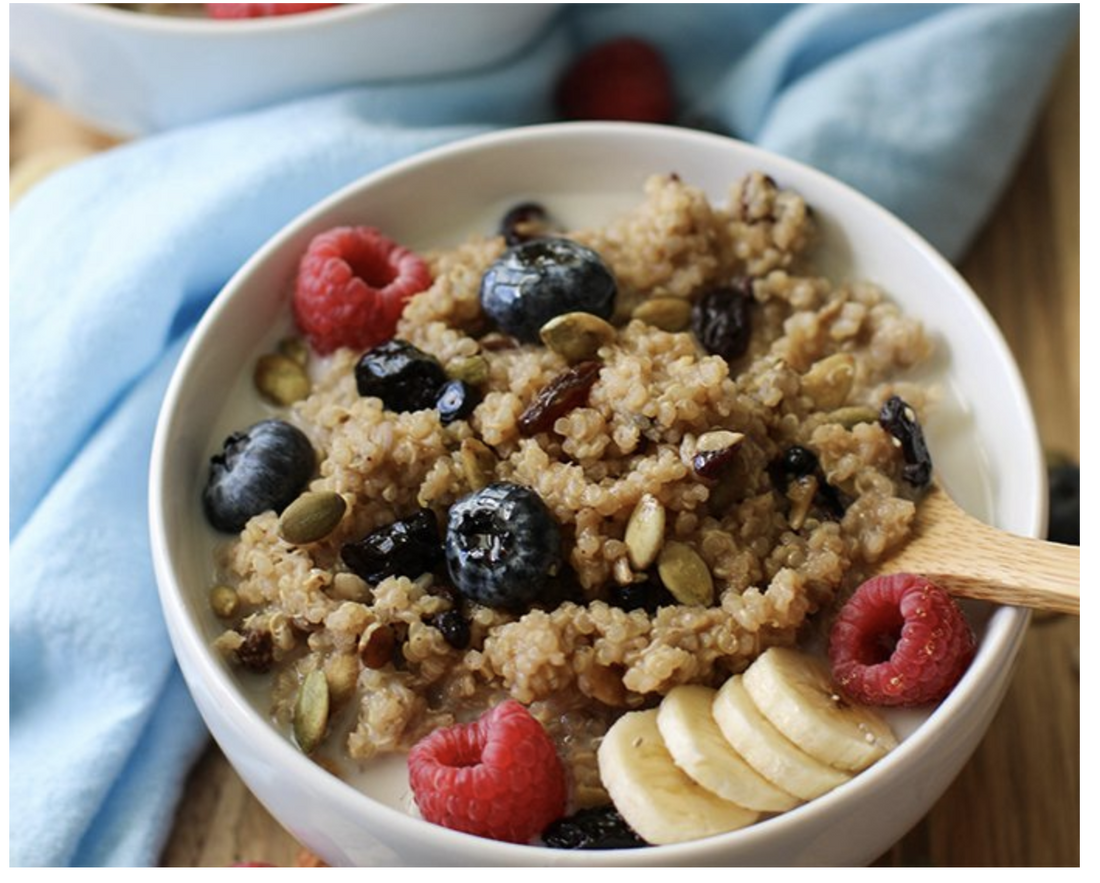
(924,108)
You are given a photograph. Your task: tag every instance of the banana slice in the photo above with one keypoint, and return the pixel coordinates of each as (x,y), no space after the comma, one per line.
(698,748)
(766,749)
(655,797)
(796,693)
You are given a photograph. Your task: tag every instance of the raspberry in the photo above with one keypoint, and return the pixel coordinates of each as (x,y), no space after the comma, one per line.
(261,10)
(497,777)
(352,285)
(900,640)
(622,79)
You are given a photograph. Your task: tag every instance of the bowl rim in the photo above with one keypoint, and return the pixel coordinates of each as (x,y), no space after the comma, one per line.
(1004,629)
(211,28)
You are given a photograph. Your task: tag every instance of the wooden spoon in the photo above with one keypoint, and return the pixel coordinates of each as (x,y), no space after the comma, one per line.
(973,560)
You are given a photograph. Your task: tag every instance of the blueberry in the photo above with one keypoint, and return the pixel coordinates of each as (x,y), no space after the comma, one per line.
(502,545)
(534,281)
(407,547)
(456,401)
(265,467)
(402,376)
(598,827)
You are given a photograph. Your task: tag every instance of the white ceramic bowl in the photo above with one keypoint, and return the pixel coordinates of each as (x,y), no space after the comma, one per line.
(132,74)
(984,441)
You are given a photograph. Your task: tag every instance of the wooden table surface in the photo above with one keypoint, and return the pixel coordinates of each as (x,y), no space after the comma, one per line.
(1017,802)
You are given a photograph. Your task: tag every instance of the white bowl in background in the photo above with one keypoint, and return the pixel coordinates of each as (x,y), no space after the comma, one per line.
(983,438)
(135,73)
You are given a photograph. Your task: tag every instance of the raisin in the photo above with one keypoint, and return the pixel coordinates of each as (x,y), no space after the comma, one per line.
(561,395)
(721,319)
(599,827)
(899,419)
(257,653)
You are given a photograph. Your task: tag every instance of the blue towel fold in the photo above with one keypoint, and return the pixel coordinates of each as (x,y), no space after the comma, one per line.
(924,108)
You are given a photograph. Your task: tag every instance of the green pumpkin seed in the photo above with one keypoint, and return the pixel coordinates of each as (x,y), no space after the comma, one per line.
(645,532)
(685,574)
(312,517)
(224,601)
(852,416)
(311,711)
(280,379)
(473,370)
(667,313)
(295,348)
(577,336)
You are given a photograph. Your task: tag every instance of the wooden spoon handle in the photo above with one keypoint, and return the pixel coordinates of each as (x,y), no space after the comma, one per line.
(973,560)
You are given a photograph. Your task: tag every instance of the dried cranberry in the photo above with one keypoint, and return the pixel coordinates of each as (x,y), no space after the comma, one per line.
(899,419)
(523,222)
(408,547)
(454,627)
(598,827)
(721,320)
(402,376)
(257,653)
(648,595)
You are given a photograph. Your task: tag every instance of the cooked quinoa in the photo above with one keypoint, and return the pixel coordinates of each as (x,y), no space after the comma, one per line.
(575,658)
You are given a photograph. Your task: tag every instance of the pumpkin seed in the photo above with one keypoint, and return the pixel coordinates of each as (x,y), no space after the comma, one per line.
(852,415)
(295,348)
(685,574)
(224,601)
(311,711)
(312,517)
(645,532)
(664,312)
(473,370)
(576,336)
(829,380)
(280,379)
(478,463)
(376,645)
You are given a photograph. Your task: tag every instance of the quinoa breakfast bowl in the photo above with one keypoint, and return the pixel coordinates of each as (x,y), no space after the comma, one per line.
(536,522)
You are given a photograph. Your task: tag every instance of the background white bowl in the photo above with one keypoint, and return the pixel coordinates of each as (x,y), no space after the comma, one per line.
(983,438)
(132,74)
